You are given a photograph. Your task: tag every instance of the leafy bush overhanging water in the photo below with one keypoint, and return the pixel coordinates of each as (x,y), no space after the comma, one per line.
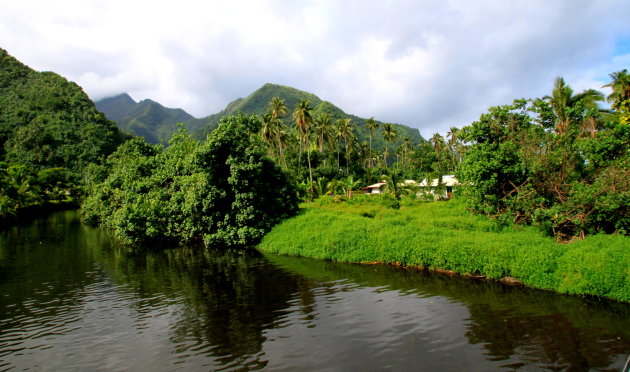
(223,191)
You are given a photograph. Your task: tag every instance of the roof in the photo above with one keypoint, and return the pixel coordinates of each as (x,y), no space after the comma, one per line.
(447,180)
(375,186)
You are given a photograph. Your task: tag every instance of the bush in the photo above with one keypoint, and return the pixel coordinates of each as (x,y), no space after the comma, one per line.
(223,192)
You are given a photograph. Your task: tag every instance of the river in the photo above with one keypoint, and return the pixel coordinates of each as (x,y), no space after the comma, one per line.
(72,299)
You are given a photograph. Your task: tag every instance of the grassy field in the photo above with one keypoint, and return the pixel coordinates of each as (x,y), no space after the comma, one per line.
(443,235)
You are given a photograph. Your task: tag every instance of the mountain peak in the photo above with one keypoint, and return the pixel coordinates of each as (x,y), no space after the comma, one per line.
(120,98)
(147,118)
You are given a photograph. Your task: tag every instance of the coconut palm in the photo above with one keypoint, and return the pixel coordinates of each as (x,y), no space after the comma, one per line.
(389,134)
(437,141)
(277,109)
(282,139)
(406,145)
(268,132)
(454,144)
(345,129)
(364,154)
(562,100)
(303,121)
(323,130)
(371,124)
(620,85)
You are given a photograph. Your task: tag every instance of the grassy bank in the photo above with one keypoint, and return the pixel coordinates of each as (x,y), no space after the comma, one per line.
(444,236)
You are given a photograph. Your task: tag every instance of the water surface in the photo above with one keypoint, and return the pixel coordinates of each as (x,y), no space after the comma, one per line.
(71,299)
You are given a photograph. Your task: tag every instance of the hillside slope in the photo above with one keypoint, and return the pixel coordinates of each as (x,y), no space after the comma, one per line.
(257,103)
(47,121)
(146,118)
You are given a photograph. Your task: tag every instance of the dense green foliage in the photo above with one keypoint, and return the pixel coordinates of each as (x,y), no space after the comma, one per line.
(146,118)
(559,163)
(46,121)
(224,190)
(49,131)
(445,236)
(23,188)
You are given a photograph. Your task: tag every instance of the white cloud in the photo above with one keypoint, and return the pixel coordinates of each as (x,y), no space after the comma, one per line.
(423,63)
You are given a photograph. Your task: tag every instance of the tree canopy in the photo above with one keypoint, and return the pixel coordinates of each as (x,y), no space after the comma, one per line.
(224,191)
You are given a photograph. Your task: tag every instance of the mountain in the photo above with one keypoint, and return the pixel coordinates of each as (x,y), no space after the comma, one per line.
(157,123)
(47,121)
(146,118)
(258,102)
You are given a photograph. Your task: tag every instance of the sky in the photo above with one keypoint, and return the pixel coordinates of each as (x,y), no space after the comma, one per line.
(426,64)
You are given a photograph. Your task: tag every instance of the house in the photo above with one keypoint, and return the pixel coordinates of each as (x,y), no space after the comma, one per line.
(448,183)
(443,189)
(375,188)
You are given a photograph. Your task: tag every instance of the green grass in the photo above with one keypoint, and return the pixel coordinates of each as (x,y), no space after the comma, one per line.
(443,235)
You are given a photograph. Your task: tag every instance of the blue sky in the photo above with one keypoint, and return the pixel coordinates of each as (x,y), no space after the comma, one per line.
(426,64)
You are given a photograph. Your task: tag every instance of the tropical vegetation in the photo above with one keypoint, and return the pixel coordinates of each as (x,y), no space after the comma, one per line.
(49,132)
(446,237)
(223,192)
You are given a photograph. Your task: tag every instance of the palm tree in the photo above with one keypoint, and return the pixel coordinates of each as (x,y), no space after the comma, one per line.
(364,154)
(562,100)
(345,128)
(277,110)
(453,144)
(391,185)
(389,134)
(323,130)
(337,131)
(283,139)
(438,145)
(303,121)
(620,85)
(344,185)
(406,145)
(371,124)
(268,132)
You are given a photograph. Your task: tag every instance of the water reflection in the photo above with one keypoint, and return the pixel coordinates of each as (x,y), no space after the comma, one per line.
(71,299)
(516,327)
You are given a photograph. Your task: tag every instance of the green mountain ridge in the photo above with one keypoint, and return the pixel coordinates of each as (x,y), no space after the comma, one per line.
(157,123)
(47,121)
(147,118)
(257,104)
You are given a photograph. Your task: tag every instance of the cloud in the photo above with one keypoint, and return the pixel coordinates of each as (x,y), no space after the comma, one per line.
(426,64)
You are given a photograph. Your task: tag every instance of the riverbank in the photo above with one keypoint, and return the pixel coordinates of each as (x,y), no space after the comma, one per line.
(444,236)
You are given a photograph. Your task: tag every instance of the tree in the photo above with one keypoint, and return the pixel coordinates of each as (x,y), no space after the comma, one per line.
(224,192)
(389,134)
(278,109)
(562,101)
(454,145)
(345,128)
(268,132)
(323,130)
(371,125)
(620,96)
(620,85)
(438,145)
(303,121)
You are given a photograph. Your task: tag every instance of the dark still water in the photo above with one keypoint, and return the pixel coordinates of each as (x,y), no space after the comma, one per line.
(71,300)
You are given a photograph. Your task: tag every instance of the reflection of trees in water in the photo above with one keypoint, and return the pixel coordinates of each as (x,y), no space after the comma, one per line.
(229,298)
(531,327)
(549,341)
(224,301)
(42,271)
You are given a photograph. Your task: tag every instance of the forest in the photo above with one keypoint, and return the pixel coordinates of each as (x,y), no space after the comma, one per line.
(559,162)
